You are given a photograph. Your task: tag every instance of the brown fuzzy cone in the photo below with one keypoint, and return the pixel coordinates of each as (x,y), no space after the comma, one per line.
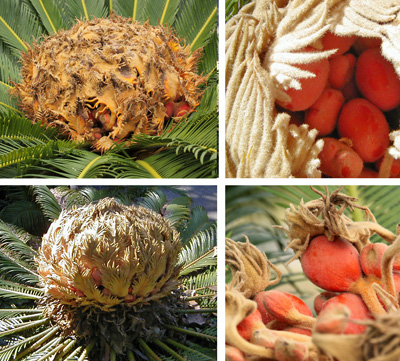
(105,79)
(262,47)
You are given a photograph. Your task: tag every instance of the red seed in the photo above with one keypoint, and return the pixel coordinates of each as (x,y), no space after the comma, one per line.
(341,43)
(357,307)
(290,350)
(331,265)
(341,70)
(249,324)
(181,109)
(233,354)
(320,300)
(368,173)
(377,80)
(350,90)
(339,160)
(394,171)
(362,44)
(129,298)
(311,88)
(267,317)
(78,292)
(333,320)
(323,114)
(371,258)
(366,126)
(299,330)
(282,306)
(169,108)
(97,135)
(96,274)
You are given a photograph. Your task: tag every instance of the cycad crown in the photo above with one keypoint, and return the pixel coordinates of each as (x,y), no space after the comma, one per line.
(107,78)
(107,254)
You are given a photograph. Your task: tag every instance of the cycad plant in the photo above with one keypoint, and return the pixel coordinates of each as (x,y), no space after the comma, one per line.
(110,280)
(108,88)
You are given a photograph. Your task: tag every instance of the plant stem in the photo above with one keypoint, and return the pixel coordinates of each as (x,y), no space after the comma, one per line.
(200,296)
(86,350)
(55,350)
(131,357)
(202,310)
(66,349)
(169,350)
(353,191)
(24,327)
(148,350)
(183,347)
(191,333)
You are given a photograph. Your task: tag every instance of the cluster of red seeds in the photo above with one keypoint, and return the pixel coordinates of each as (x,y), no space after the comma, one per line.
(346,275)
(350,101)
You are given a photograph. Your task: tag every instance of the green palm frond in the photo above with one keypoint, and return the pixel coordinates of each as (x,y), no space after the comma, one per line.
(14,33)
(197,352)
(195,21)
(16,257)
(5,100)
(85,9)
(206,260)
(16,127)
(384,201)
(198,222)
(199,245)
(47,202)
(24,214)
(154,200)
(9,72)
(129,9)
(83,195)
(190,150)
(50,14)
(161,12)
(16,158)
(15,290)
(187,150)
(176,210)
(207,63)
(202,281)
(232,7)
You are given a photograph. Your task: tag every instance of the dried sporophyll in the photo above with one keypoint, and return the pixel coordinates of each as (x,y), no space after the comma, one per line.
(313,89)
(357,314)
(251,267)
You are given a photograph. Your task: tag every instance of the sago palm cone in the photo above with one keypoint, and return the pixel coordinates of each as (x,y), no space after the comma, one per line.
(105,79)
(110,272)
